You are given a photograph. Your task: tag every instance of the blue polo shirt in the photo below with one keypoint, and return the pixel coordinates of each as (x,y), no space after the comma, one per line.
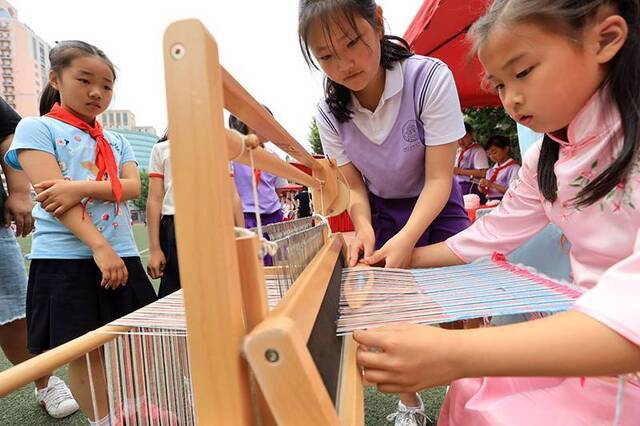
(75,152)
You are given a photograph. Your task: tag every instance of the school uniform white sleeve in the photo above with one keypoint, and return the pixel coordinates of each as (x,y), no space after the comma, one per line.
(441,112)
(480,160)
(330,139)
(31,133)
(155,162)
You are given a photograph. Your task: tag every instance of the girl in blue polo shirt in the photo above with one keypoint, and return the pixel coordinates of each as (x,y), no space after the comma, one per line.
(85,266)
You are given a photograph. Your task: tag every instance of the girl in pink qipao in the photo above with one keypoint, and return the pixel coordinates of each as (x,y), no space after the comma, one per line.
(569,69)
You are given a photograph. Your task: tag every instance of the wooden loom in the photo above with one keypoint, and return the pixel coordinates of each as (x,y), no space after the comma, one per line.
(229,327)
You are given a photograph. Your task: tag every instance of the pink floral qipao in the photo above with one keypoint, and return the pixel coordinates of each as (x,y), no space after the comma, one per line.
(605,259)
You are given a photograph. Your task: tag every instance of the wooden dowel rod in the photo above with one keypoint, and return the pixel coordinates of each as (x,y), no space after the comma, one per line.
(43,364)
(241,104)
(268,162)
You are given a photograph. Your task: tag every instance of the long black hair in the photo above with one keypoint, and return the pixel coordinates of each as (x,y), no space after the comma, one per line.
(623,80)
(60,57)
(499,141)
(392,48)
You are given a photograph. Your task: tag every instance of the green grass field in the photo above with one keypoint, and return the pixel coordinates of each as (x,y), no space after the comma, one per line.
(20,408)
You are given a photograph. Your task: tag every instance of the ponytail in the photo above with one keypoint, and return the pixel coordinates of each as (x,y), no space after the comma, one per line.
(49,98)
(547,180)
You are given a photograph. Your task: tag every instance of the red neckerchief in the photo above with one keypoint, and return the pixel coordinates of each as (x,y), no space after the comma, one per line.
(471,145)
(256,175)
(105,161)
(498,169)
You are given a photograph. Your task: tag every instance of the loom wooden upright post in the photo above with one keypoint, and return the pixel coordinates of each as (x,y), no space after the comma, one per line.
(254,295)
(204,226)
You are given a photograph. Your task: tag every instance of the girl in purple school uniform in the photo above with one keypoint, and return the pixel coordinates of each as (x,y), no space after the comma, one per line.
(269,205)
(504,170)
(471,164)
(391,120)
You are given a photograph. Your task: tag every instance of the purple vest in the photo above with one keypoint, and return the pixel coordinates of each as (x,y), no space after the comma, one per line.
(504,178)
(267,196)
(395,168)
(469,160)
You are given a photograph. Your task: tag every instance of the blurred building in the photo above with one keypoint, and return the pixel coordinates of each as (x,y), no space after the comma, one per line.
(24,62)
(141,143)
(141,138)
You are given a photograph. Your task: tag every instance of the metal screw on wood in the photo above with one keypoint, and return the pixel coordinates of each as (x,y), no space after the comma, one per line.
(272,355)
(177,51)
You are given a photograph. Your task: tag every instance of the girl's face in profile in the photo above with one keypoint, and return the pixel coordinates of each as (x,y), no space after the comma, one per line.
(348,55)
(498,155)
(543,79)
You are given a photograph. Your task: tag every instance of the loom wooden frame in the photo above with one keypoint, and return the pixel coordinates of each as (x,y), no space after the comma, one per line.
(292,388)
(221,307)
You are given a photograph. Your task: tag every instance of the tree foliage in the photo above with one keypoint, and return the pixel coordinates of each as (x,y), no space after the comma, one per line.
(141,201)
(493,121)
(314,138)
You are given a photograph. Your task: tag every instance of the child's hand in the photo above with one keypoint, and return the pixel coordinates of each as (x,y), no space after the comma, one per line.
(364,242)
(58,196)
(396,253)
(114,272)
(17,208)
(484,185)
(155,268)
(408,357)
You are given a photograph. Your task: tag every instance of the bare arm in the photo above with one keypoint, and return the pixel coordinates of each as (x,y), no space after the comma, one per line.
(40,166)
(157,259)
(18,206)
(415,357)
(397,252)
(58,195)
(359,208)
(360,212)
(434,255)
(98,190)
(17,182)
(478,173)
(436,190)
(101,190)
(154,211)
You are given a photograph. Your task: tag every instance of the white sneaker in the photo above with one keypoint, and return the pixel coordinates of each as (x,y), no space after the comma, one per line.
(409,416)
(56,398)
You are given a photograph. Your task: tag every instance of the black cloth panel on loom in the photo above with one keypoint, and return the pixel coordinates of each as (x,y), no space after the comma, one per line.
(324,345)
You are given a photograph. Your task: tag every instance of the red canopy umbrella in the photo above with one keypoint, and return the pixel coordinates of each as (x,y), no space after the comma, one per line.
(438,30)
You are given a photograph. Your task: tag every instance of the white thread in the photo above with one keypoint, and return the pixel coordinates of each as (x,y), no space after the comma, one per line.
(92,389)
(619,400)
(323,220)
